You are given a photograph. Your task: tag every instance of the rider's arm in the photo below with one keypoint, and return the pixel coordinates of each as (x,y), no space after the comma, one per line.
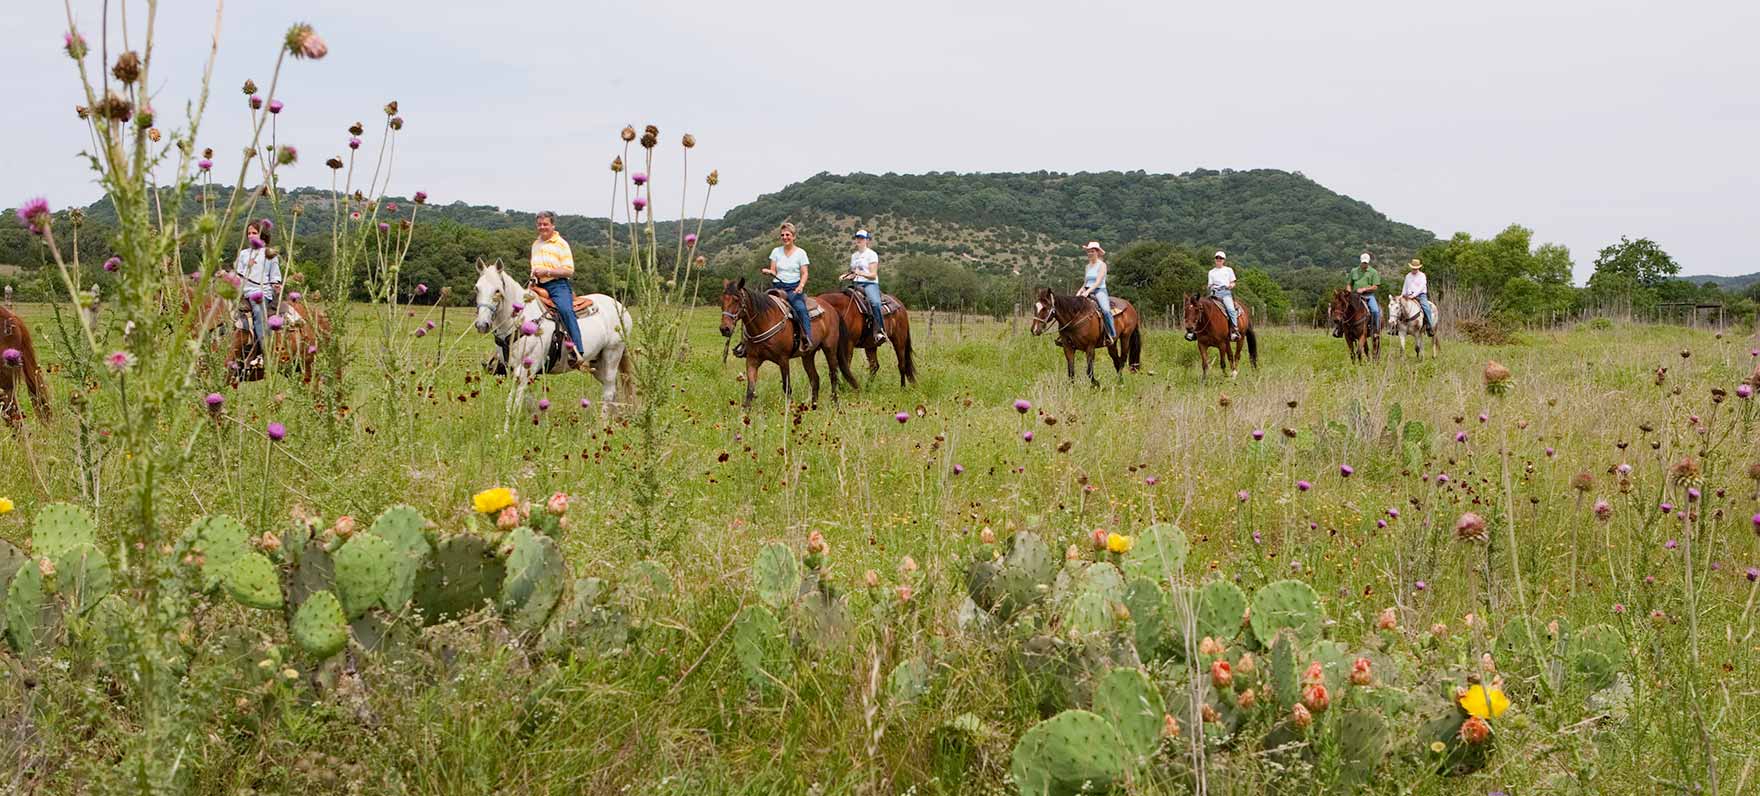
(801,287)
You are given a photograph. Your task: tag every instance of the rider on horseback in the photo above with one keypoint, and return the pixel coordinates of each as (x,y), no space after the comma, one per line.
(788,272)
(552,265)
(864,270)
(1364,281)
(259,273)
(1094,284)
(1417,286)
(1220,281)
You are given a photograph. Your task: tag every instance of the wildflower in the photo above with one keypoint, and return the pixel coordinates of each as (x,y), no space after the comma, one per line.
(1666,508)
(1027,436)
(1393,513)
(1315,698)
(46,567)
(1460,436)
(286,155)
(617,164)
(1496,377)
(1360,674)
(256,102)
(1299,716)
(1242,495)
(277,432)
(205,164)
(1289,433)
(1304,486)
(384,227)
(120,361)
(1658,617)
(689,141)
(275,106)
(6,507)
(1098,537)
(528,328)
(1474,731)
(490,501)
(902,417)
(1119,543)
(871,578)
(1420,585)
(1620,608)
(1151,481)
(269,541)
(74,44)
(1021,405)
(1437,747)
(34,215)
(638,203)
(1221,675)
(1692,494)
(1345,470)
(421,197)
(1314,673)
(650,137)
(691,239)
(1471,528)
(1487,663)
(1753,573)
(907,566)
(1388,620)
(1169,726)
(904,592)
(543,403)
(303,42)
(507,519)
(639,178)
(113,264)
(987,536)
(276,322)
(1602,510)
(958,469)
(1484,703)
(1582,481)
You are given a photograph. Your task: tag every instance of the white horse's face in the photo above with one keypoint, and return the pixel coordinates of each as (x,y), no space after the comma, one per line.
(489,298)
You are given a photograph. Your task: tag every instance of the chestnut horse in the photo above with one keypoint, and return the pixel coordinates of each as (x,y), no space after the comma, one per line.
(1207,324)
(295,343)
(1079,327)
(20,359)
(768,335)
(858,332)
(1350,320)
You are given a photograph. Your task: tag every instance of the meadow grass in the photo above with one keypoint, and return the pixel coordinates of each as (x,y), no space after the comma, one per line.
(673,714)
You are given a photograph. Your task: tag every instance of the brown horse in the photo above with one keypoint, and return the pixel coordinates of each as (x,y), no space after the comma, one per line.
(767,334)
(1079,327)
(1350,320)
(858,332)
(1207,324)
(20,360)
(294,345)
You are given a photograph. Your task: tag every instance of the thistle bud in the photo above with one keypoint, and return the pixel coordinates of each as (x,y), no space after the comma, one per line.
(391,108)
(628,134)
(397,122)
(303,42)
(128,67)
(82,111)
(250,87)
(714,178)
(689,141)
(617,164)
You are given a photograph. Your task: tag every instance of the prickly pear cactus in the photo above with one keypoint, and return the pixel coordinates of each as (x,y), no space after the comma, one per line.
(1160,551)
(59,528)
(1147,604)
(403,528)
(463,573)
(536,577)
(253,582)
(1287,604)
(908,682)
(1069,752)
(1026,571)
(1362,743)
(587,621)
(776,575)
(1087,614)
(27,603)
(761,647)
(1221,607)
(312,572)
(1132,704)
(366,567)
(1285,664)
(219,540)
(84,577)
(1597,654)
(11,558)
(1103,579)
(320,628)
(822,618)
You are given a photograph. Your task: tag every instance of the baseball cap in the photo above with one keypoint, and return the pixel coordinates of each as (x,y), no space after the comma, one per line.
(1364,258)
(862,233)
(1221,255)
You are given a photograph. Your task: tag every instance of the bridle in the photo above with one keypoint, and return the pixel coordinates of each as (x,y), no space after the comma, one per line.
(1050,317)
(1203,317)
(500,332)
(745,331)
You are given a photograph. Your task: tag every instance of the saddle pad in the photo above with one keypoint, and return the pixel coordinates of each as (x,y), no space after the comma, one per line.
(582,304)
(813,308)
(1117,307)
(1218,302)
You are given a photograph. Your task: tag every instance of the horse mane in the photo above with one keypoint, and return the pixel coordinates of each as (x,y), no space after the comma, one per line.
(1067,305)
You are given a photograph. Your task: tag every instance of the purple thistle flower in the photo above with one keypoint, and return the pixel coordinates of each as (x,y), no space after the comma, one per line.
(1667,508)
(1484,417)
(1151,480)
(1460,436)
(1624,469)
(1744,391)
(1295,566)
(585,403)
(204,164)
(1345,470)
(1549,452)
(254,297)
(275,106)
(390,207)
(1421,585)
(15,358)
(354,143)
(256,102)
(1619,608)
(1379,523)
(311,349)
(1393,514)
(691,239)
(214,400)
(384,227)
(277,432)
(256,242)
(421,332)
(1304,486)
(1258,434)
(1670,544)
(266,225)
(34,215)
(639,178)
(528,328)
(1027,436)
(543,404)
(1257,539)
(525,362)
(960,468)
(1243,496)
(1692,494)
(421,197)
(518,307)
(639,203)
(293,296)
(113,264)
(1753,574)
(902,417)
(421,289)
(1756,516)
(1021,405)
(1441,478)
(275,323)
(428,325)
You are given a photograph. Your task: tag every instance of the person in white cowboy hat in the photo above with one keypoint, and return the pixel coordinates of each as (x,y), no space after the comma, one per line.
(864,270)
(1094,284)
(1364,281)
(1220,283)
(1417,286)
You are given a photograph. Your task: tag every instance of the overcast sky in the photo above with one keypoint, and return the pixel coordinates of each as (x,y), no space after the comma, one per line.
(1582,119)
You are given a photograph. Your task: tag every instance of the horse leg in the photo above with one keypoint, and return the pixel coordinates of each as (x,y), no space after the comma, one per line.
(809,362)
(606,371)
(787,366)
(751,382)
(9,410)
(874,359)
(1069,360)
(1092,381)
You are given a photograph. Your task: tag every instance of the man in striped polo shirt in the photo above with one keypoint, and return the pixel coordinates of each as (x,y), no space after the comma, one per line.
(552,265)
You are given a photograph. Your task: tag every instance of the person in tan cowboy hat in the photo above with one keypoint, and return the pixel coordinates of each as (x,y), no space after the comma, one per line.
(1094,284)
(1417,286)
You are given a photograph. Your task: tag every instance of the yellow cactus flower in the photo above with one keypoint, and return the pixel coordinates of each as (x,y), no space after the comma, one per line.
(1119,543)
(491,501)
(6,505)
(1485,703)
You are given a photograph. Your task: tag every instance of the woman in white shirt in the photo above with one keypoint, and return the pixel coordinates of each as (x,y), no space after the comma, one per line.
(1417,285)
(788,273)
(864,270)
(1094,284)
(259,273)
(1221,285)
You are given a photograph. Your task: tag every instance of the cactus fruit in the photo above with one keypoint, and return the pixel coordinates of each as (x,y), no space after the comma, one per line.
(403,528)
(84,577)
(219,540)
(536,578)
(1149,616)
(1362,743)
(253,582)
(1159,552)
(908,682)
(26,606)
(463,573)
(59,528)
(1287,604)
(320,627)
(761,647)
(1131,703)
(776,575)
(1067,753)
(1026,569)
(1221,606)
(366,567)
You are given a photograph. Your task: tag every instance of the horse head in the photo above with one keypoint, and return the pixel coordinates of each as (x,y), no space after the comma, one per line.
(732,304)
(1340,311)
(1044,310)
(1194,315)
(490,289)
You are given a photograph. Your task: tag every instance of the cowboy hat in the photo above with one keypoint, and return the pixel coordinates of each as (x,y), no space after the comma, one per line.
(1415,264)
(1093,244)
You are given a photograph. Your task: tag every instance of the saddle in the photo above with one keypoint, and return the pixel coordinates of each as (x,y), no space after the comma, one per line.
(582,304)
(888,303)
(291,318)
(781,300)
(1117,307)
(1217,300)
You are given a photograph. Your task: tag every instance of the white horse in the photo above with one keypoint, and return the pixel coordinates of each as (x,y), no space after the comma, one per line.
(508,310)
(1405,315)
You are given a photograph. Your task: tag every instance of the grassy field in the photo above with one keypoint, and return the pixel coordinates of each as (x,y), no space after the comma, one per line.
(471,708)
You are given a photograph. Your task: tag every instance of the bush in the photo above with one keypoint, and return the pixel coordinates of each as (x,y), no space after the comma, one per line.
(1489,330)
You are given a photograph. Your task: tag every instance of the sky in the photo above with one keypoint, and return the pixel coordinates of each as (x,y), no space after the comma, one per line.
(1583,120)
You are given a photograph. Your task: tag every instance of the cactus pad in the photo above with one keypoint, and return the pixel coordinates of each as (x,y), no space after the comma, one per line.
(366,567)
(1597,653)
(463,573)
(1132,704)
(776,575)
(253,582)
(403,528)
(761,647)
(1150,617)
(1362,742)
(1287,604)
(84,577)
(1103,579)
(536,578)
(1221,607)
(26,606)
(219,540)
(584,621)
(1159,552)
(1067,752)
(59,528)
(1025,570)
(320,627)
(908,682)
(1088,613)
(1285,688)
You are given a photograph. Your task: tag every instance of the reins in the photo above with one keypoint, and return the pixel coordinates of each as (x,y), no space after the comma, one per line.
(745,330)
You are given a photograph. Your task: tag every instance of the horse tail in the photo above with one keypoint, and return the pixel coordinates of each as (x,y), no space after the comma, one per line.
(626,374)
(1252,345)
(1136,347)
(907,361)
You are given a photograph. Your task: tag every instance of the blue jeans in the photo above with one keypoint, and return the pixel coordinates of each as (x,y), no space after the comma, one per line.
(1429,311)
(562,295)
(798,301)
(1226,296)
(875,300)
(1105,301)
(1374,311)
(260,322)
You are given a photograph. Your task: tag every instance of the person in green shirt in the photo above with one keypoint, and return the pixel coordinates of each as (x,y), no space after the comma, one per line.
(1364,281)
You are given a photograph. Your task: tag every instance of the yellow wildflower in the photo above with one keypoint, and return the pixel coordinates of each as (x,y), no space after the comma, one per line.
(6,505)
(1437,746)
(1119,543)
(490,501)
(1485,703)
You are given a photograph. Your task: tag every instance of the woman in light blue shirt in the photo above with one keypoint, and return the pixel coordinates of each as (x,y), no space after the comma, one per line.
(1094,284)
(788,272)
(259,273)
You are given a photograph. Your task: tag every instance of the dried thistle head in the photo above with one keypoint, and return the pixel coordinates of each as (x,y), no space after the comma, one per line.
(714,178)
(651,130)
(208,153)
(701,261)
(128,67)
(1754,471)
(357,128)
(617,164)
(391,108)
(153,134)
(334,163)
(650,141)
(250,87)
(115,108)
(76,216)
(397,122)
(1685,471)
(689,141)
(628,134)
(1496,377)
(1583,482)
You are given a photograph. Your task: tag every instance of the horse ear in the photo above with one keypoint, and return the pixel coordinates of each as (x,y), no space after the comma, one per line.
(742,283)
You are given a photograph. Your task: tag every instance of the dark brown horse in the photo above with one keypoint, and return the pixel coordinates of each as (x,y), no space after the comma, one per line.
(1350,320)
(858,332)
(295,345)
(1207,324)
(767,333)
(20,361)
(1080,328)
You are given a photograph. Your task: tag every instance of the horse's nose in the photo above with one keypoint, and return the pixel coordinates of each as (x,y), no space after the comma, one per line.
(726,332)
(482,326)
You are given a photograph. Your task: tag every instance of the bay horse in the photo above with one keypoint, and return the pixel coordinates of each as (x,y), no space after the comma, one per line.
(503,310)
(294,345)
(16,337)
(1350,320)
(858,332)
(1405,315)
(1079,327)
(1207,325)
(767,333)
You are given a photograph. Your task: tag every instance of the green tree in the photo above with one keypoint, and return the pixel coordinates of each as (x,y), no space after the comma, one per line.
(1639,263)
